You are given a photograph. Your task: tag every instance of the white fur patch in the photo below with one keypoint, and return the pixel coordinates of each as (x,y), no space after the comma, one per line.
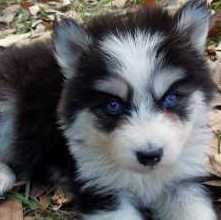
(186,202)
(136,55)
(164,79)
(7,178)
(6,126)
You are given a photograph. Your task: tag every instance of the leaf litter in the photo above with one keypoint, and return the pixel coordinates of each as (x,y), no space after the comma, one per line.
(24,20)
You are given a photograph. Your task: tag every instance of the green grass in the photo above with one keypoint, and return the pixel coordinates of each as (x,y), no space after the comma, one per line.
(217,5)
(33,208)
(48,203)
(7,1)
(136,2)
(23,21)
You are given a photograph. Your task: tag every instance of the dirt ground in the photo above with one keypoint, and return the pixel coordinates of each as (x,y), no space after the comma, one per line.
(22,21)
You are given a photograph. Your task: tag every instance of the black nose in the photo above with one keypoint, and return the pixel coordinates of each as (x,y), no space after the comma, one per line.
(149,158)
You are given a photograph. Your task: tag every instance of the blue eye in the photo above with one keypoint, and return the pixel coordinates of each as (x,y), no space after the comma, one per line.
(114,108)
(169,101)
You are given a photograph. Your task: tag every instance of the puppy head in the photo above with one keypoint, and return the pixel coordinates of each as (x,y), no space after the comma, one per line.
(136,86)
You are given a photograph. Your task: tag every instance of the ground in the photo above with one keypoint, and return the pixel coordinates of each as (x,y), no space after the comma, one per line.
(22,21)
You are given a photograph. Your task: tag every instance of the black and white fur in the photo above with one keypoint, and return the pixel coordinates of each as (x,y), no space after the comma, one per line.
(31,144)
(137,59)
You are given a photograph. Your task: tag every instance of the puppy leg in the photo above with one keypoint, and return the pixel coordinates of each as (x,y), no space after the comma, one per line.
(7,108)
(125,211)
(185,202)
(7,178)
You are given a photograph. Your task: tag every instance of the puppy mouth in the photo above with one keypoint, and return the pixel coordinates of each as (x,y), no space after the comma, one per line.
(141,169)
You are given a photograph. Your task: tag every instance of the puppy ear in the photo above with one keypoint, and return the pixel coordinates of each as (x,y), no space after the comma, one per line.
(70,40)
(193,19)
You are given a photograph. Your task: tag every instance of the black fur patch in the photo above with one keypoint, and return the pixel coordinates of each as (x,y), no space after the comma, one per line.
(39,147)
(90,200)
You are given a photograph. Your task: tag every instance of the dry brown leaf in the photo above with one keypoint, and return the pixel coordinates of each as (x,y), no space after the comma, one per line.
(26,4)
(215,119)
(20,183)
(48,25)
(44,202)
(8,14)
(214,183)
(11,210)
(150,3)
(60,198)
(217,75)
(23,39)
(211,53)
(216,25)
(11,39)
(37,192)
(215,164)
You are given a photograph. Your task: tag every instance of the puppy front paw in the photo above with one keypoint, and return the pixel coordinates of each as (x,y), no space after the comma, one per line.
(7,178)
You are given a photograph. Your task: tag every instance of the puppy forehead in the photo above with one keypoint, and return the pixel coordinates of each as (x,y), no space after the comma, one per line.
(135,54)
(139,63)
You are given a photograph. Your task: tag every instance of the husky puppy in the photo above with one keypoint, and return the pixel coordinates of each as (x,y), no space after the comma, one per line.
(30,142)
(134,112)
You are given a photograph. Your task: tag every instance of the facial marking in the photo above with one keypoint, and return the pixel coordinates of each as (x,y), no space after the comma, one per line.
(113,86)
(136,55)
(164,79)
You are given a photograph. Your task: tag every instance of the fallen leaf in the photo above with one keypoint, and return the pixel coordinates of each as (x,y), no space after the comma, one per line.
(214,183)
(11,210)
(216,75)
(211,53)
(34,10)
(150,3)
(119,3)
(215,120)
(48,25)
(3,26)
(60,198)
(23,39)
(215,30)
(215,165)
(26,4)
(66,2)
(11,39)
(39,191)
(8,14)
(44,202)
